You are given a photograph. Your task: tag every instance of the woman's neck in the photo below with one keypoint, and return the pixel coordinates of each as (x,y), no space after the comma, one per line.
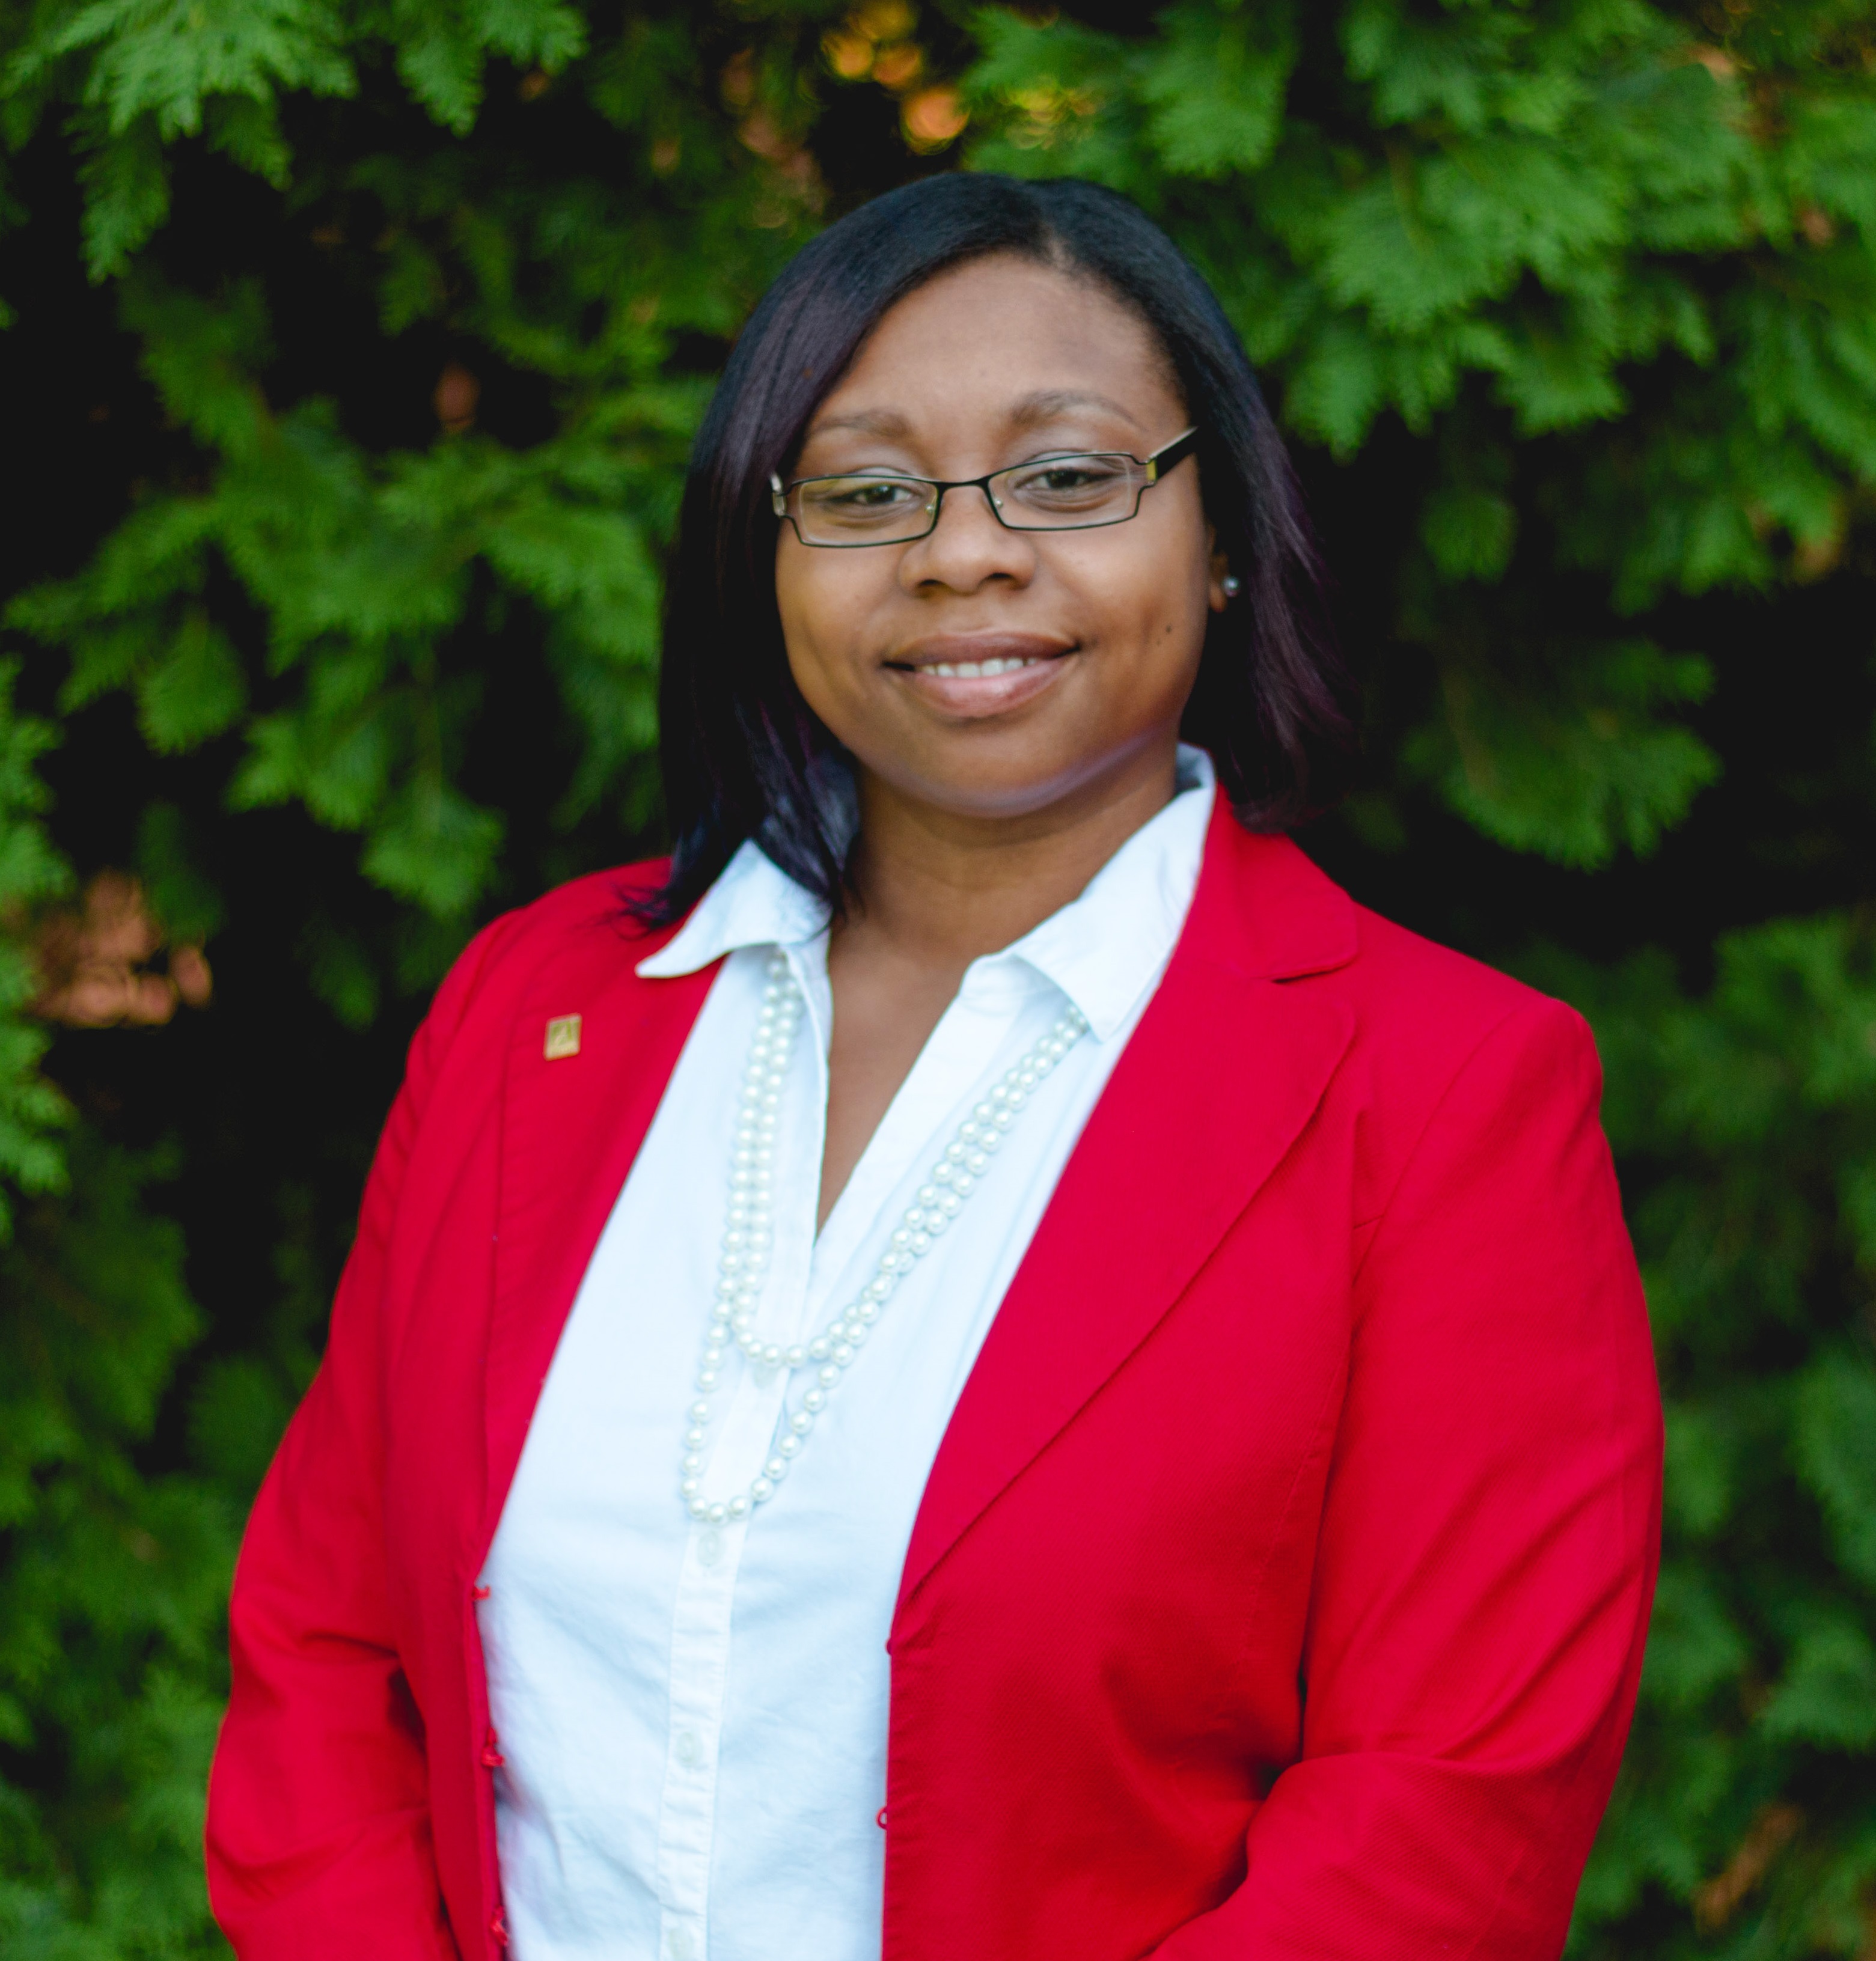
(934,892)
(942,889)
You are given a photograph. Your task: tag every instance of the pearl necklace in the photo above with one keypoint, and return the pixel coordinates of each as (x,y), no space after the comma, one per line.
(749,1229)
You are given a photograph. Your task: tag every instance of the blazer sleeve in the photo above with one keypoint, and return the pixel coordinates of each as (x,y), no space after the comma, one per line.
(1488,1548)
(318,1801)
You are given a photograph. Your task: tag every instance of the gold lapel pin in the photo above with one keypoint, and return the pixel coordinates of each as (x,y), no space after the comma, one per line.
(563,1037)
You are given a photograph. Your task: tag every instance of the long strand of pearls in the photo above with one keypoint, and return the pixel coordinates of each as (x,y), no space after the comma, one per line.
(748,1237)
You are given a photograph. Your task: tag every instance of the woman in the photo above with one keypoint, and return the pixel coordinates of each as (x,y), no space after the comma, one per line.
(984,1365)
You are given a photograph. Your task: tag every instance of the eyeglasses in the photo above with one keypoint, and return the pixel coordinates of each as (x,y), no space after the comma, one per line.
(1077,492)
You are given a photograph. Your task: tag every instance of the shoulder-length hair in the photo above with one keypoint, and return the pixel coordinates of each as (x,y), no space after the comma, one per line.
(744,756)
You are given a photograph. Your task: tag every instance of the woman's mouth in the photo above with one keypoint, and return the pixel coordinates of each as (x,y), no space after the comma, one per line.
(974,670)
(974,675)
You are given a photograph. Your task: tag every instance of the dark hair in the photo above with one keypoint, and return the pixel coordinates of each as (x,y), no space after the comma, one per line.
(744,756)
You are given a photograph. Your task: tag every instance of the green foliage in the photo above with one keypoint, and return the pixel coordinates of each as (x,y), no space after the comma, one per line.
(110,1613)
(32,1111)
(1754,1103)
(1568,307)
(1574,761)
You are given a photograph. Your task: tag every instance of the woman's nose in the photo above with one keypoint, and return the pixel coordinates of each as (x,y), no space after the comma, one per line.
(967,545)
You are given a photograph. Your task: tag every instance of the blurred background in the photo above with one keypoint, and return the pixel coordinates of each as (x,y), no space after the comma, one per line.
(350,355)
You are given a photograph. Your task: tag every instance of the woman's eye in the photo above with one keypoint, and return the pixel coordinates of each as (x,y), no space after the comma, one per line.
(1079,477)
(865,494)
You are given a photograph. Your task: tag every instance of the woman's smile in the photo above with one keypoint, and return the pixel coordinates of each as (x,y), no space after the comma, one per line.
(973,676)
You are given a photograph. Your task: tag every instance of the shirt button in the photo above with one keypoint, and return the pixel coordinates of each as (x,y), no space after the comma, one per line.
(680,1944)
(689,1754)
(710,1546)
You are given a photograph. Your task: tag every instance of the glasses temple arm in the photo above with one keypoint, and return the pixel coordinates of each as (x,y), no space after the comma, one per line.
(1177,451)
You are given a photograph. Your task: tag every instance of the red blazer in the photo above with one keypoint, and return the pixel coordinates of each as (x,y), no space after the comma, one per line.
(1281,1584)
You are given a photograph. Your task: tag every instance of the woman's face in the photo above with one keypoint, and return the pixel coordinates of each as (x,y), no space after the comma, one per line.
(993,363)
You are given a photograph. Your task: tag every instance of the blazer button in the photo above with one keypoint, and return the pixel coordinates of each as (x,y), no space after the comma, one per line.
(498,1927)
(492,1757)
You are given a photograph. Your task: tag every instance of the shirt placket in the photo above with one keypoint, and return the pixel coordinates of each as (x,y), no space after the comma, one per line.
(706,1580)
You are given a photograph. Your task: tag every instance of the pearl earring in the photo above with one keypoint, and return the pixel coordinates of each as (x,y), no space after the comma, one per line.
(1231,585)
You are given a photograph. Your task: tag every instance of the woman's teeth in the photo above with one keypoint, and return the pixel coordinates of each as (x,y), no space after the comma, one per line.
(974,670)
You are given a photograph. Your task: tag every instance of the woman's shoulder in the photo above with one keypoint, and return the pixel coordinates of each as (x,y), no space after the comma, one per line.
(589,921)
(1423,1020)
(1422,1005)
(608,898)
(1415,990)
(1444,1036)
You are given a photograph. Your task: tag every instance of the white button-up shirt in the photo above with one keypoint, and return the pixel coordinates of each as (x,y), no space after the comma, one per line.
(694,1718)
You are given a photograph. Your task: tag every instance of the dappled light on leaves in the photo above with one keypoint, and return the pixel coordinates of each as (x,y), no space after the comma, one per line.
(99,963)
(1717,1900)
(934,117)
(875,43)
(454,398)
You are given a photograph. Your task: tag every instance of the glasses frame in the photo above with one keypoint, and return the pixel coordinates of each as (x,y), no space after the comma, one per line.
(1166,457)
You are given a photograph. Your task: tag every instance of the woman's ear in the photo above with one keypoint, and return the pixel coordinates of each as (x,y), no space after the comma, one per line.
(1221,588)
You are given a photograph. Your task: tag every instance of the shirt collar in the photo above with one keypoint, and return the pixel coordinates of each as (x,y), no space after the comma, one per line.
(753,903)
(1102,949)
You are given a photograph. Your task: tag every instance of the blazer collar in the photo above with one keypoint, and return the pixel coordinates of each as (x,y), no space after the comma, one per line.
(1221,1077)
(1263,910)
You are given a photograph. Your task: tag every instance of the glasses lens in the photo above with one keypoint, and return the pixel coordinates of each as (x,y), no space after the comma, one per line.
(864,510)
(1061,492)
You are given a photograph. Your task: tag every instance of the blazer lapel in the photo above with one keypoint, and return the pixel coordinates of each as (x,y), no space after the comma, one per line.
(572,1127)
(1223,1071)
